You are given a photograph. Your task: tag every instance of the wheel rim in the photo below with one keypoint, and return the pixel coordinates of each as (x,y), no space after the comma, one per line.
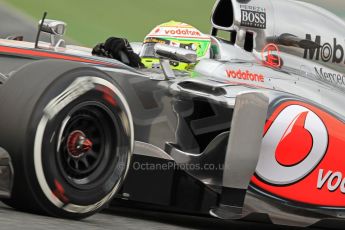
(85,89)
(88,144)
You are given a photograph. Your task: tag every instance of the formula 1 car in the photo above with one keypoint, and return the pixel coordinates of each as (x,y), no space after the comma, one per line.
(255,130)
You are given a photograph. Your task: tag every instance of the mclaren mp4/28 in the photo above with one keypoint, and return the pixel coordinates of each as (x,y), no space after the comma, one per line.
(257,128)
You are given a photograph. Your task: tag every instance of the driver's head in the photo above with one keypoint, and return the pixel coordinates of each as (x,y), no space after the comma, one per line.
(175,34)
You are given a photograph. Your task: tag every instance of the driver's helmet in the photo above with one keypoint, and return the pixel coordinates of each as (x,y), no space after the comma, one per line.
(176,34)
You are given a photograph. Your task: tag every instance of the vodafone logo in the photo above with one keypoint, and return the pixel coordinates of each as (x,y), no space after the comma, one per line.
(178,32)
(292,147)
(332,180)
(302,157)
(182,32)
(245,75)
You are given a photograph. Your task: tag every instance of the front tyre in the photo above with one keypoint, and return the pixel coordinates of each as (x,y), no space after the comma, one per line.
(71,145)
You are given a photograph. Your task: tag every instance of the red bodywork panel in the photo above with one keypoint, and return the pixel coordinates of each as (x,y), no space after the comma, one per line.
(303,156)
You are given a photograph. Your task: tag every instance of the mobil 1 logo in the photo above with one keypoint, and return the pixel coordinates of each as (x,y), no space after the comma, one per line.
(253,16)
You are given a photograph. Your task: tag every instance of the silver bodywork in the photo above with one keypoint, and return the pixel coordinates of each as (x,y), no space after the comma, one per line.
(301,76)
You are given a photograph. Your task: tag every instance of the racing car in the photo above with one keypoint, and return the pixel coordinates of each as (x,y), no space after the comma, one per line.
(257,129)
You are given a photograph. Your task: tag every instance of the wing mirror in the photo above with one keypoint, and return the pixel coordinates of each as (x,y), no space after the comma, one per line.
(56,29)
(53,27)
(167,53)
(175,53)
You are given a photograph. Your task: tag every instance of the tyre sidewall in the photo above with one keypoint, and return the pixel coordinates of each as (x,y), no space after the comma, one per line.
(42,183)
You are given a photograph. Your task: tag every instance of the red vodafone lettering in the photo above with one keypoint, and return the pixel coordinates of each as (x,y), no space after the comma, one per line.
(245,75)
(186,32)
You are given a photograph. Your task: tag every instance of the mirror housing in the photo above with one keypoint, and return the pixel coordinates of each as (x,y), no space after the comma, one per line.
(175,53)
(53,27)
(56,29)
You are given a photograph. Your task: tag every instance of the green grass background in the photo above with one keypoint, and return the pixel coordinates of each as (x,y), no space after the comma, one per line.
(92,21)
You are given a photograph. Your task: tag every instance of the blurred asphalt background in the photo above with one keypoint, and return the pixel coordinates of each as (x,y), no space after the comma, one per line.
(90,22)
